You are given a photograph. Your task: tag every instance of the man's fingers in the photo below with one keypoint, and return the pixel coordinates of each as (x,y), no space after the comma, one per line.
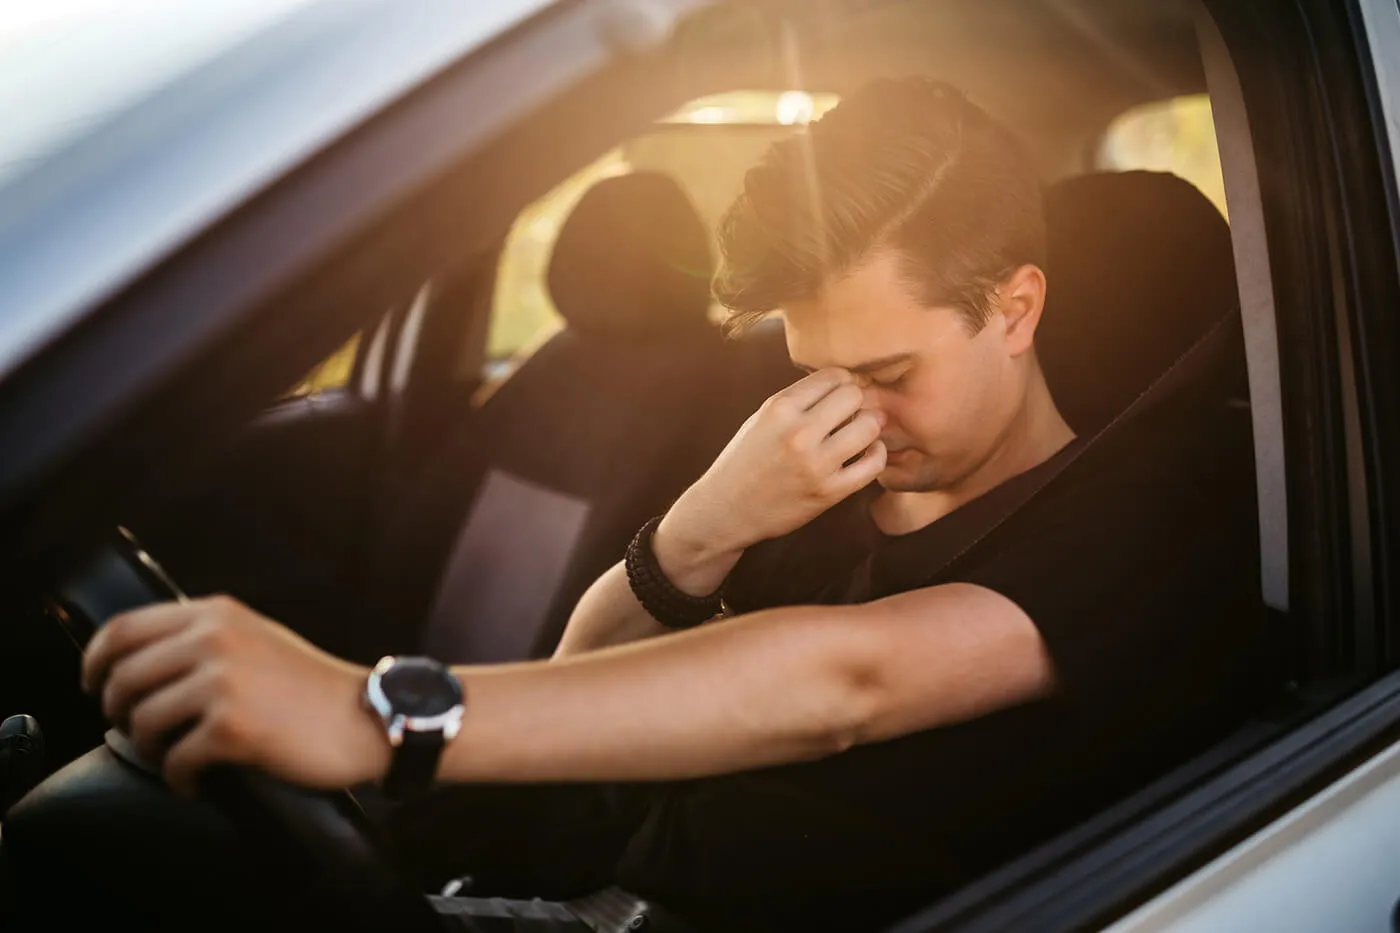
(204,745)
(806,392)
(156,721)
(128,632)
(830,411)
(853,438)
(862,472)
(140,673)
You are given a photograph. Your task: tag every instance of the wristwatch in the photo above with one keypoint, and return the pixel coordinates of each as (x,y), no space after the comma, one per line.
(421,704)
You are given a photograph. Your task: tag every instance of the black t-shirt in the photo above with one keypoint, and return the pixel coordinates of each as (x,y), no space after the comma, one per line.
(1138,563)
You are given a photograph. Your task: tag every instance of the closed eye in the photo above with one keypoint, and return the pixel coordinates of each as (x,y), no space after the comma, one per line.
(892,382)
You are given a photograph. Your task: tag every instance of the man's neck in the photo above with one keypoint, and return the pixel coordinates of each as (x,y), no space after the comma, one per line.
(1036,434)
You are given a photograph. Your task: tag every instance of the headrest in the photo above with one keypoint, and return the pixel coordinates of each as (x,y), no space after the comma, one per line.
(1140,266)
(633,259)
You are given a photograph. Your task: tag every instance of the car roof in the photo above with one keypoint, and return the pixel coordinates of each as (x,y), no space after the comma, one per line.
(131,127)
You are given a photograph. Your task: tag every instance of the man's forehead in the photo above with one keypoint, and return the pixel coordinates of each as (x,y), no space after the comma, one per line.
(861,340)
(864,319)
(869,319)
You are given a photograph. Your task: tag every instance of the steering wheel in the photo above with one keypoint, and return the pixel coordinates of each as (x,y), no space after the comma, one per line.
(316,851)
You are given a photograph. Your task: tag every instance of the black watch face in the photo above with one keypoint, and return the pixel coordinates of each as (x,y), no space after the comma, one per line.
(419,687)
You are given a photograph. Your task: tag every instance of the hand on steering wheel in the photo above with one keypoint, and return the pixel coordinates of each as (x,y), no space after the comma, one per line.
(200,682)
(320,862)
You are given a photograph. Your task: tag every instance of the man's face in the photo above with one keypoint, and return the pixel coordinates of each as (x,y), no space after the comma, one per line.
(949,396)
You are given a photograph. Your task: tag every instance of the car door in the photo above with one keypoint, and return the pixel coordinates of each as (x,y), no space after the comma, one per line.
(1327,863)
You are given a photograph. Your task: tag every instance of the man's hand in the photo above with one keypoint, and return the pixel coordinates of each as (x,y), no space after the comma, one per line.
(789,462)
(192,684)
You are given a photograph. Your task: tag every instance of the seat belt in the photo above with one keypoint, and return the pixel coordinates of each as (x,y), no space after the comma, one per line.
(1197,361)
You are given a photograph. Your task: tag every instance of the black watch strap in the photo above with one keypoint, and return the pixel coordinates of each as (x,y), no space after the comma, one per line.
(414,764)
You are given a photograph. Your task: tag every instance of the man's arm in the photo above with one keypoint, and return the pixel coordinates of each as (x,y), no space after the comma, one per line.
(777,686)
(608,614)
(807,448)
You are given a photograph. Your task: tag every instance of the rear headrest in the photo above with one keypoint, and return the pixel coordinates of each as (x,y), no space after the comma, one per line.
(1140,266)
(633,259)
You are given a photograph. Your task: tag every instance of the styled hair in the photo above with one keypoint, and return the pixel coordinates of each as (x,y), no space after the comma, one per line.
(908,164)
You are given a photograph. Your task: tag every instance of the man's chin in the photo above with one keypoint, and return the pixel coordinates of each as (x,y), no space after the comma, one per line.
(908,471)
(899,484)
(902,479)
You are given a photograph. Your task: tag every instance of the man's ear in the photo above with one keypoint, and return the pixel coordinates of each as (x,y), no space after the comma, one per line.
(1022,299)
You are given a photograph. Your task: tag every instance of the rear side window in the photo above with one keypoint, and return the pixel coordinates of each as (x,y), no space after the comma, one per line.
(1176,135)
(330,374)
(523,313)
(707,145)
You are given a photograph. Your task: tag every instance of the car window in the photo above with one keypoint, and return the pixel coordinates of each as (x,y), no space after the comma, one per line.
(330,374)
(705,145)
(523,312)
(1176,135)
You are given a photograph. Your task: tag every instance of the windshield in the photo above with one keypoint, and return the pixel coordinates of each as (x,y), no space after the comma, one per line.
(66,65)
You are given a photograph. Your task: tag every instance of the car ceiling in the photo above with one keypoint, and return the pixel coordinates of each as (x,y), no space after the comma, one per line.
(1057,70)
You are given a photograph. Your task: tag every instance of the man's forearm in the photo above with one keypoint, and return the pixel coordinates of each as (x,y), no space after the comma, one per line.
(608,614)
(774,687)
(804,450)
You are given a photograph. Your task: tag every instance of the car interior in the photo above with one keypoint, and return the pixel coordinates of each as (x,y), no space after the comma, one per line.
(453,492)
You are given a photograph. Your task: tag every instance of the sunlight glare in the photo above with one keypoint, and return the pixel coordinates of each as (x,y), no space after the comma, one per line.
(795,108)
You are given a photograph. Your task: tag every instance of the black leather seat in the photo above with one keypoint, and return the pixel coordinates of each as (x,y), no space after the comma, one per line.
(1140,266)
(600,429)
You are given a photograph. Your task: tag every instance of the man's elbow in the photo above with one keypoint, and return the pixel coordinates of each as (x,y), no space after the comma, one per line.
(858,699)
(853,725)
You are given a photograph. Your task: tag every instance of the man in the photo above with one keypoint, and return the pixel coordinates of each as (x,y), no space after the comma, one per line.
(876,695)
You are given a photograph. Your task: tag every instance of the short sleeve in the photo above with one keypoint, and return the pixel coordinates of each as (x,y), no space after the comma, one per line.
(1133,586)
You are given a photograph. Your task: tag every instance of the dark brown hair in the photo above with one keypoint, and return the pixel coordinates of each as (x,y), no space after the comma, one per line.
(909,164)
